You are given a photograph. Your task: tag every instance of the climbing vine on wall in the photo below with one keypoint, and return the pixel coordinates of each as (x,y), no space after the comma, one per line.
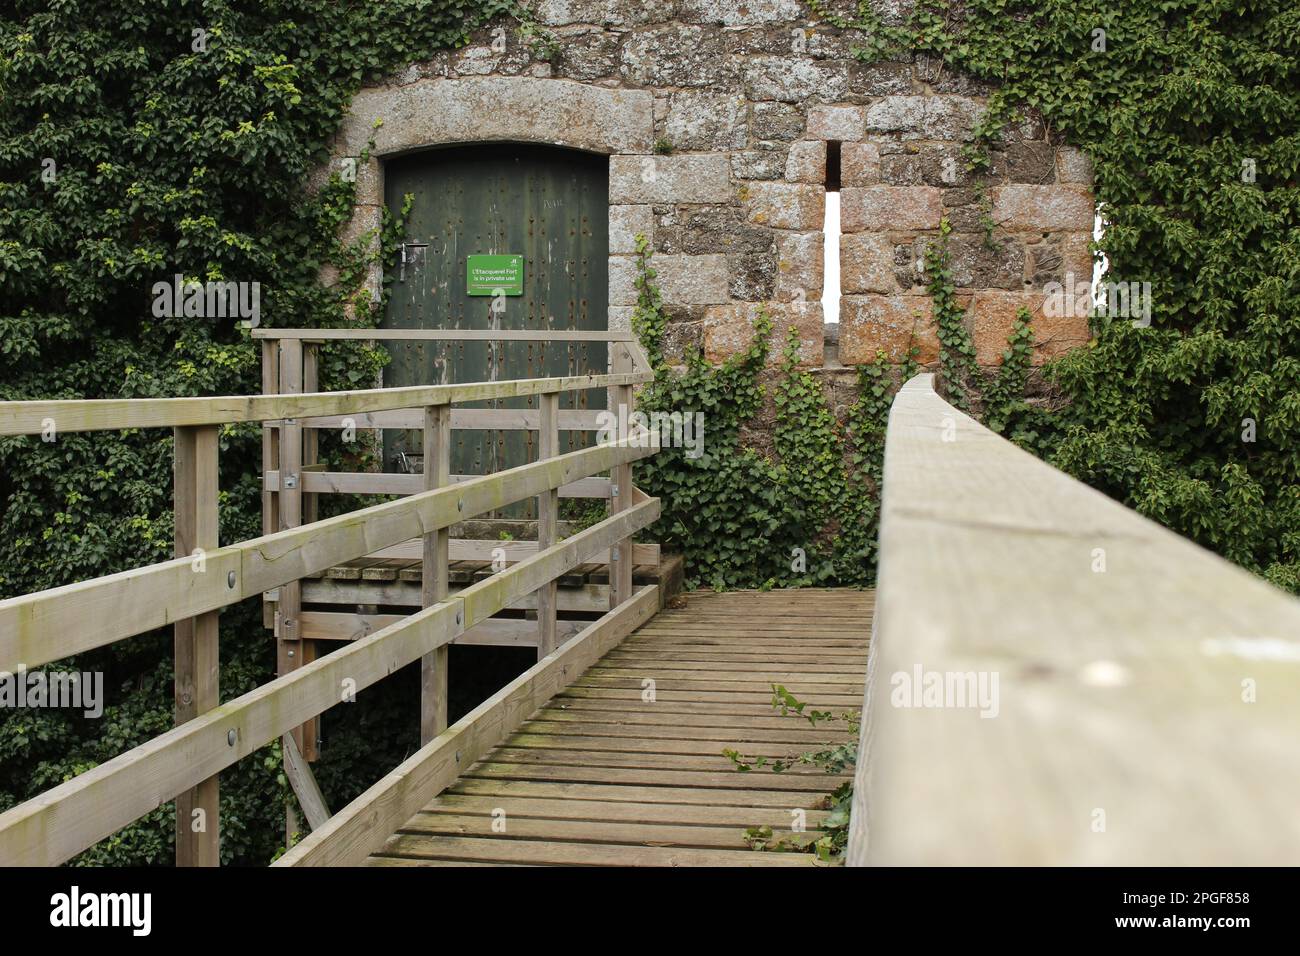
(805,515)
(137,141)
(1190,111)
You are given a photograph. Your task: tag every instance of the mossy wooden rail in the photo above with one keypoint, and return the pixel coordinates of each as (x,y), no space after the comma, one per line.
(189,591)
(1145,693)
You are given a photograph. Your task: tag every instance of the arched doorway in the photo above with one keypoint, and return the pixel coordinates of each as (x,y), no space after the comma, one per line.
(546,205)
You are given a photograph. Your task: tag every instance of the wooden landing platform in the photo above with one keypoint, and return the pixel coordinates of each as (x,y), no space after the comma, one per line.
(603,776)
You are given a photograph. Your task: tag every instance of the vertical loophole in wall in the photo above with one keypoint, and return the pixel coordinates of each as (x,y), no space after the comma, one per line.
(831,253)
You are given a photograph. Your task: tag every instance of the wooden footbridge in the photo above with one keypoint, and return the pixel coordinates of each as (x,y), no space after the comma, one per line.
(1044,676)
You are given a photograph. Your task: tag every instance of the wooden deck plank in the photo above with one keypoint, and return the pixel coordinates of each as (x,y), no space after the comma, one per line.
(503,826)
(602,776)
(626,811)
(539,852)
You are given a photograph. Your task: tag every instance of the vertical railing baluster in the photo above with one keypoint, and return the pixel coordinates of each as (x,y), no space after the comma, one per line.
(434,572)
(310,505)
(548,511)
(197,663)
(289,607)
(621,401)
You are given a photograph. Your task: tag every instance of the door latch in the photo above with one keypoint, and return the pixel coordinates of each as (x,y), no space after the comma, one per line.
(412,253)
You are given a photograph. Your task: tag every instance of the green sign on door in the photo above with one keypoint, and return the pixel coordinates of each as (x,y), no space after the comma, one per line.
(494,275)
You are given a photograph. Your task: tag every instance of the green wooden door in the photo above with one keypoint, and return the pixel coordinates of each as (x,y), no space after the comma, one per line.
(548,205)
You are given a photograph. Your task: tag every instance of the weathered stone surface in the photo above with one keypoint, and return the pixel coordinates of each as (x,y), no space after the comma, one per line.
(482,60)
(680,338)
(940,77)
(752,276)
(792,80)
(588,54)
(991,315)
(909,264)
(729,330)
(758,163)
(692,280)
(1073,166)
(881,208)
(924,117)
(363,227)
(836,122)
(625,222)
(622,280)
(482,109)
(369,179)
(806,162)
(975,264)
(776,121)
(859,164)
(1032,161)
(676,55)
(800,267)
(932,164)
(705,120)
(892,324)
(866,263)
(786,40)
(613,13)
(894,12)
(1043,208)
(828,43)
(688,177)
(968,218)
(728,13)
(786,205)
(707,229)
(1055,258)
(880,79)
(683,280)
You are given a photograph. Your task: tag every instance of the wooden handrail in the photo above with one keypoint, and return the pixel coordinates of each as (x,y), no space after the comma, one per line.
(447,335)
(82,415)
(1129,698)
(58,824)
(59,622)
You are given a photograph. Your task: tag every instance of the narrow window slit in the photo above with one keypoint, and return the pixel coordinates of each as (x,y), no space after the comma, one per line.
(831,255)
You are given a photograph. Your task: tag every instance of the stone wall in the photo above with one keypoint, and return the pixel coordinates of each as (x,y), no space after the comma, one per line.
(716,117)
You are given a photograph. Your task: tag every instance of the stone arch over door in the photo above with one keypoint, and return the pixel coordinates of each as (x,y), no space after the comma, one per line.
(430,113)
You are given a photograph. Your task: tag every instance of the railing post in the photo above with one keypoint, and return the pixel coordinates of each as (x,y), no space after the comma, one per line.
(433,572)
(289,608)
(270,458)
(621,402)
(197,664)
(548,510)
(310,455)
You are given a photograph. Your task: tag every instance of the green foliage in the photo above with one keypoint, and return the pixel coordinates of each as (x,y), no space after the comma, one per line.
(833,833)
(172,159)
(804,515)
(999,398)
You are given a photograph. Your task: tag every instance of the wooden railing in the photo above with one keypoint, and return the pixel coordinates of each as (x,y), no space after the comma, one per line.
(293,480)
(189,591)
(1056,680)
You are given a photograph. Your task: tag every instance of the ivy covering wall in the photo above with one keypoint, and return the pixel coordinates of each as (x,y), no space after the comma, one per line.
(140,139)
(130,150)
